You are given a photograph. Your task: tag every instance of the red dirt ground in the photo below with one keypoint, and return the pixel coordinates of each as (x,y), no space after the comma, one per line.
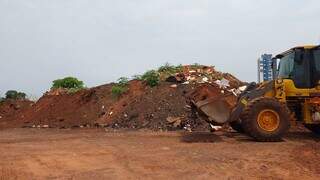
(96,154)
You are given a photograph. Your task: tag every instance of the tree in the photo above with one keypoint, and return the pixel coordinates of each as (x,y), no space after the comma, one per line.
(13,94)
(21,95)
(68,83)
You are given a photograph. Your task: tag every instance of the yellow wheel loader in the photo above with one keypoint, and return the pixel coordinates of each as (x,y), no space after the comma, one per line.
(265,111)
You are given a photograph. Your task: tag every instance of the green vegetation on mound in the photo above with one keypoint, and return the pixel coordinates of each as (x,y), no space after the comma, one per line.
(72,84)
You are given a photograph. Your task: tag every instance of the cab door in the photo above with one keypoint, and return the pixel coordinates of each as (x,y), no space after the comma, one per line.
(315,66)
(301,69)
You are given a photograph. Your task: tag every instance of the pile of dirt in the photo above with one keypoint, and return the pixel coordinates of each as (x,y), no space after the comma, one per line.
(64,110)
(9,108)
(162,107)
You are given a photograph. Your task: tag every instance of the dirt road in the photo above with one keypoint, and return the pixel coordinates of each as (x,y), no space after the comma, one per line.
(97,154)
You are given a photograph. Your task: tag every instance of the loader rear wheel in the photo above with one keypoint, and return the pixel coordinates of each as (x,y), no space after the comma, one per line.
(315,128)
(266,119)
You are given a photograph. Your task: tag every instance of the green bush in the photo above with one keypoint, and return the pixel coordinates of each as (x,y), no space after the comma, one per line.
(68,83)
(151,77)
(195,66)
(170,69)
(1,99)
(21,95)
(120,87)
(167,68)
(12,94)
(117,90)
(137,77)
(123,81)
(74,90)
(179,68)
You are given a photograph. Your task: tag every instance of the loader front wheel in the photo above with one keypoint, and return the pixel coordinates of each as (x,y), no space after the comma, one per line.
(266,119)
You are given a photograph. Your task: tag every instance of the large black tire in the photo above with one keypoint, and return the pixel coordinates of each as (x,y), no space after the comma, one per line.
(315,128)
(256,127)
(237,126)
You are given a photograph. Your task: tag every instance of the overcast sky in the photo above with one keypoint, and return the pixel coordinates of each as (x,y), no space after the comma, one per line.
(100,40)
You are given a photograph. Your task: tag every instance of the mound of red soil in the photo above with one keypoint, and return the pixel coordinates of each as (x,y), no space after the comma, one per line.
(141,107)
(9,109)
(159,108)
(67,110)
(151,108)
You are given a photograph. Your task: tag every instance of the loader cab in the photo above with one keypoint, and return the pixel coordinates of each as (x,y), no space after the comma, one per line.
(300,64)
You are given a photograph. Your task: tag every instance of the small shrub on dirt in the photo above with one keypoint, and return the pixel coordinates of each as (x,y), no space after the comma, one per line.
(137,77)
(123,81)
(1,99)
(117,90)
(179,68)
(195,66)
(120,87)
(13,94)
(74,90)
(168,70)
(152,78)
(68,83)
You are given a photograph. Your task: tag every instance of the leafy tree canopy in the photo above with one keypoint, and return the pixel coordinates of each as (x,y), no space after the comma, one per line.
(68,83)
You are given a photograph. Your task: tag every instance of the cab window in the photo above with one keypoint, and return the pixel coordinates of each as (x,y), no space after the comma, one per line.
(286,66)
(315,67)
(316,56)
(300,74)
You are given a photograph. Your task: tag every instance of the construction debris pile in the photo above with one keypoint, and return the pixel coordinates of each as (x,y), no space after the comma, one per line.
(204,74)
(163,107)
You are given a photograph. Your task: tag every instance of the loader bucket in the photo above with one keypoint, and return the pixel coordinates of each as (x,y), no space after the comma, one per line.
(216,110)
(211,104)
